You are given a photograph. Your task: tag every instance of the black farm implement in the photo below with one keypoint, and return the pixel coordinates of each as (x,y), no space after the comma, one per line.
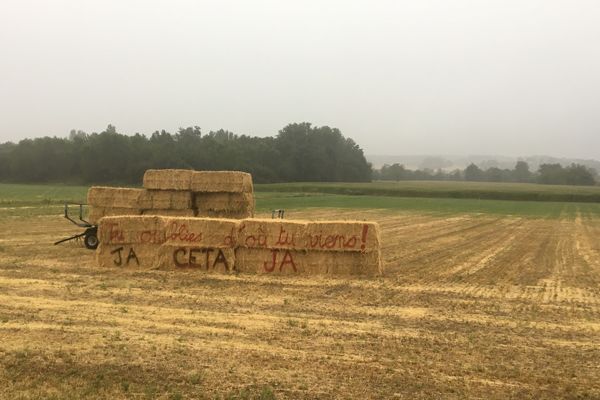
(90,233)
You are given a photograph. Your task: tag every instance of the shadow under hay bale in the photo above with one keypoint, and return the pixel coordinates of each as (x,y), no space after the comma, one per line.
(170,213)
(166,200)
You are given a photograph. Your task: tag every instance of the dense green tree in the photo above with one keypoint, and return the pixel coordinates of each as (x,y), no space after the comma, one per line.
(521,172)
(300,152)
(552,174)
(473,173)
(394,172)
(577,174)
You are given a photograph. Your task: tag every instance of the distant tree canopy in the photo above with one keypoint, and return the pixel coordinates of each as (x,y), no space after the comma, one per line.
(300,152)
(556,174)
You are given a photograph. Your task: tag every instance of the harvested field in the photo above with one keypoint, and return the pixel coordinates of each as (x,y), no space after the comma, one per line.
(480,306)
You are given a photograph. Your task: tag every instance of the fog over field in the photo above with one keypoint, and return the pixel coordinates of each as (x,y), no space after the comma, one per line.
(421,77)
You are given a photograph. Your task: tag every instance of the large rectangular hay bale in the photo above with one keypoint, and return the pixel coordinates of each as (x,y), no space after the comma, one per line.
(95,213)
(196,257)
(221,181)
(114,197)
(132,255)
(343,236)
(272,233)
(132,230)
(168,179)
(201,232)
(167,200)
(301,262)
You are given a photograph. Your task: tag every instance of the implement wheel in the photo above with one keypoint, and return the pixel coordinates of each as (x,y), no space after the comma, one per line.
(90,240)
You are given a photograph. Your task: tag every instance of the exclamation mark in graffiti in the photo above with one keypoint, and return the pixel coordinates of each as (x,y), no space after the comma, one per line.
(364,237)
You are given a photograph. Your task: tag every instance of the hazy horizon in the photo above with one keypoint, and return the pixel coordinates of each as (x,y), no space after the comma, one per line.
(511,78)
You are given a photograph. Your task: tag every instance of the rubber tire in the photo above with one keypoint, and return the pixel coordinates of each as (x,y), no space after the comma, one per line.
(90,240)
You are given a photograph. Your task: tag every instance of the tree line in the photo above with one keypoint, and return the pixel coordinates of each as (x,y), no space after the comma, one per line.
(299,152)
(556,174)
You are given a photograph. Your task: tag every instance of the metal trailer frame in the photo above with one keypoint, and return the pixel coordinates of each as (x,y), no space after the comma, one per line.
(90,234)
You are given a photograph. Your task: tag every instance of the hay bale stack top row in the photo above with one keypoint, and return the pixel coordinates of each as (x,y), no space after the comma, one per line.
(175,192)
(198,181)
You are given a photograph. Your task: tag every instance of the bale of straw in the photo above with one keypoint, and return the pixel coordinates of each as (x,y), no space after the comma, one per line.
(348,263)
(221,181)
(272,233)
(343,236)
(170,213)
(114,197)
(201,232)
(302,262)
(132,230)
(95,213)
(216,201)
(166,200)
(196,257)
(167,179)
(135,255)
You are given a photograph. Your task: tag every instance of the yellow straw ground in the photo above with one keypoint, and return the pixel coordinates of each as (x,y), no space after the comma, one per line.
(469,306)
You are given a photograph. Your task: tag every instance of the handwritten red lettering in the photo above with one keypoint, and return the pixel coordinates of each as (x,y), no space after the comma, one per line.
(269,266)
(331,241)
(259,240)
(115,235)
(183,257)
(183,234)
(287,240)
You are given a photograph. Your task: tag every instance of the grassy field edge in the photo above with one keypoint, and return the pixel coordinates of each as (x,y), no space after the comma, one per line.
(450,190)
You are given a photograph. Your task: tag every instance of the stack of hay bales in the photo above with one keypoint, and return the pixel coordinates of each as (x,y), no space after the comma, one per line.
(176,192)
(264,246)
(223,194)
(216,194)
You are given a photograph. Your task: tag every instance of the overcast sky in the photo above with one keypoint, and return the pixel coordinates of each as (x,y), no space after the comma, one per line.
(400,77)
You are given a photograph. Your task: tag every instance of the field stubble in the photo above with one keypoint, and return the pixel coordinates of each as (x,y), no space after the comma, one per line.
(470,306)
